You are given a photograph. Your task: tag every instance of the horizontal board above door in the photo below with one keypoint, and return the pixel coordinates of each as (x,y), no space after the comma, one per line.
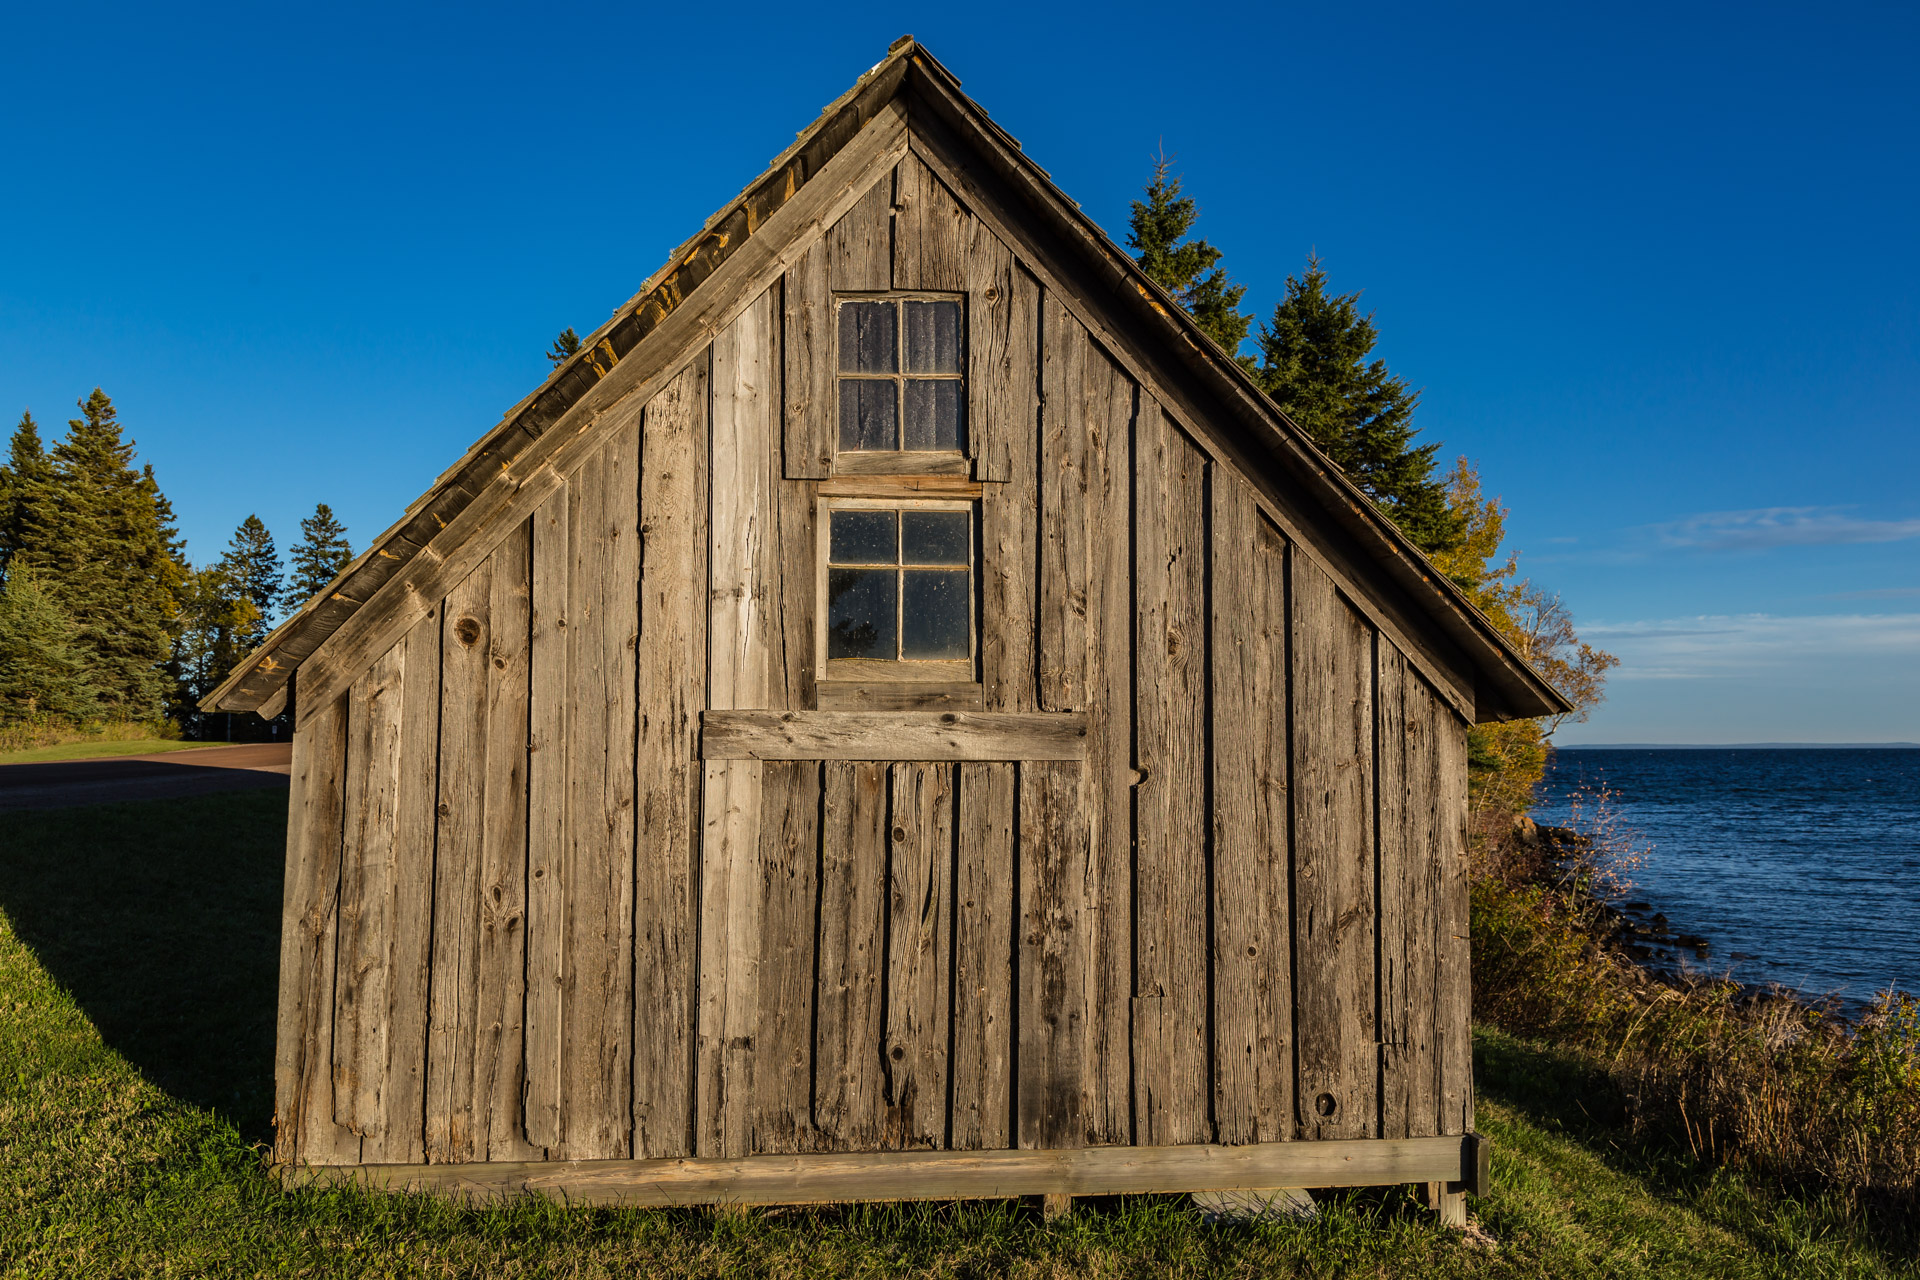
(892,735)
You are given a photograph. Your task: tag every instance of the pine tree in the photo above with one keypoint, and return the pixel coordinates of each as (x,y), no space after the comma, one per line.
(42,670)
(1190,271)
(26,490)
(253,570)
(103,545)
(563,346)
(319,556)
(1313,363)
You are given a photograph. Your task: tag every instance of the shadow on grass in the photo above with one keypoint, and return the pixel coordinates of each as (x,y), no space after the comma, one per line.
(1564,1093)
(162,919)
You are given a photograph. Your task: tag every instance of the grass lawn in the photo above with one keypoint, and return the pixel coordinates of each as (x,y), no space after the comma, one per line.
(100,750)
(138,946)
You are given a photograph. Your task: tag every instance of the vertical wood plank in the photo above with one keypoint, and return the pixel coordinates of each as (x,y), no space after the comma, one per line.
(453,1026)
(1003,385)
(603,540)
(500,998)
(919,951)
(303,1058)
(848,1084)
(860,245)
(782,1119)
(1253,997)
(672,678)
(547,791)
(365,949)
(1066,558)
(810,430)
(984,938)
(746,668)
(1052,1085)
(932,233)
(1454,1034)
(1171,959)
(1400,850)
(1332,654)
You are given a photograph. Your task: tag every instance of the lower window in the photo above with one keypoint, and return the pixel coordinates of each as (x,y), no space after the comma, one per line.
(897,588)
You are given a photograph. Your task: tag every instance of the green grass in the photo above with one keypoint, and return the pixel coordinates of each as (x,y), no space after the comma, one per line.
(95,749)
(136,1022)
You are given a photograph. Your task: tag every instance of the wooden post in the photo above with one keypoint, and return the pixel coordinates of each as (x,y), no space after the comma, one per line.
(1055,1207)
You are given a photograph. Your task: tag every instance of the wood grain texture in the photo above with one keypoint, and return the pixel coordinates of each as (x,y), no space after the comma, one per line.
(603,541)
(848,1081)
(929,1175)
(1332,655)
(984,942)
(932,233)
(860,244)
(855,695)
(892,735)
(671,690)
(1003,362)
(730,937)
(1454,1006)
(1410,870)
(1171,959)
(547,803)
(454,1015)
(1067,486)
(810,431)
(1051,1089)
(782,1112)
(1252,947)
(919,954)
(306,1132)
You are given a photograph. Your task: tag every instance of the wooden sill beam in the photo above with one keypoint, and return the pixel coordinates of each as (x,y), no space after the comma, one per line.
(923,1175)
(892,735)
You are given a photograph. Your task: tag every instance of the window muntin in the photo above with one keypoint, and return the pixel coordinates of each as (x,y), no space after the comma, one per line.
(899,587)
(902,375)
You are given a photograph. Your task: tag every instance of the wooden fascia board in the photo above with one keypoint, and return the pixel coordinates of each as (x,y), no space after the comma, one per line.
(1211,387)
(256,682)
(609,404)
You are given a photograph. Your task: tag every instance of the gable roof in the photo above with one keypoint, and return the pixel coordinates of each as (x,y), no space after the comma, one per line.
(1102,285)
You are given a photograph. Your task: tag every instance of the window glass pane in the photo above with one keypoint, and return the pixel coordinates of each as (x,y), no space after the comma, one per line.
(861,612)
(934,613)
(867,414)
(933,337)
(864,537)
(932,537)
(933,416)
(868,333)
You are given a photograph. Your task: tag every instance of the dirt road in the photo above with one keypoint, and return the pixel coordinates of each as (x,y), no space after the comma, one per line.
(65,783)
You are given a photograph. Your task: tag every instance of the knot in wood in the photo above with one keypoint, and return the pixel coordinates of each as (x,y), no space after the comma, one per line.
(1326,1106)
(467,631)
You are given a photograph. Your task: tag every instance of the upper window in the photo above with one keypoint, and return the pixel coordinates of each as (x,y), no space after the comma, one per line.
(902,379)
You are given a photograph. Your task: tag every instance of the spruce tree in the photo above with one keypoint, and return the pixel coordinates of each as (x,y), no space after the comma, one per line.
(1313,363)
(253,570)
(319,556)
(42,670)
(215,621)
(563,346)
(103,545)
(1191,272)
(26,490)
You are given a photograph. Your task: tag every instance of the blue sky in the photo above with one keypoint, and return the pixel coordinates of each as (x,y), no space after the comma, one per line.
(1655,267)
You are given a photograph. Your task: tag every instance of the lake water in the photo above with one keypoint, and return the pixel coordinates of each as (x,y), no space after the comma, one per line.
(1798,866)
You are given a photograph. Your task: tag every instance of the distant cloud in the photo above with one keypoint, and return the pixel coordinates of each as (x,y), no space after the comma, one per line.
(1750,644)
(1767,527)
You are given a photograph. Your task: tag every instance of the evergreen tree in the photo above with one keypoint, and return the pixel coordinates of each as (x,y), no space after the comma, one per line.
(254,573)
(103,544)
(42,670)
(563,346)
(1313,363)
(26,490)
(319,556)
(1190,271)
(216,620)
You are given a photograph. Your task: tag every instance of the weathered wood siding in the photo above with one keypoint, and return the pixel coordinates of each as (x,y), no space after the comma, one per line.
(529,918)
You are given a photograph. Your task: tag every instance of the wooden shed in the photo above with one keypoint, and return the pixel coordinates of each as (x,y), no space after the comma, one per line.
(898,715)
